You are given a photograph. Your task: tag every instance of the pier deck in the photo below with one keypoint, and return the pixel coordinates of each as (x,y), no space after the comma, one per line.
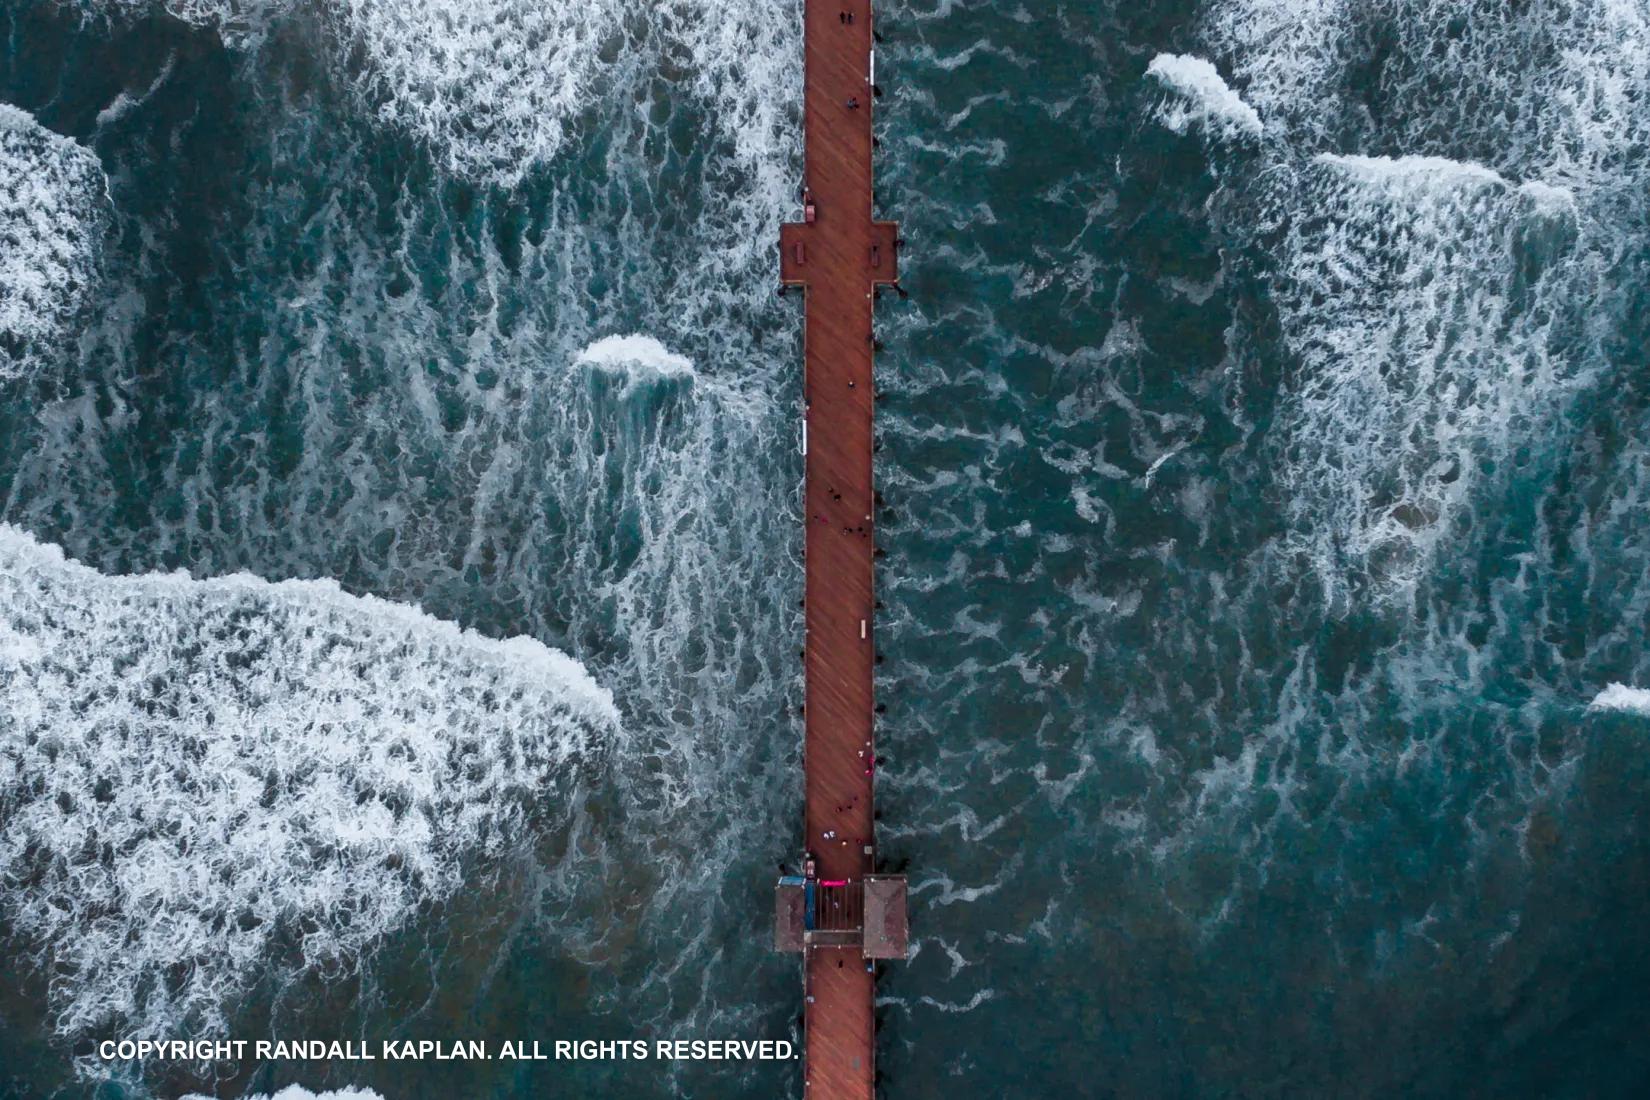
(839,257)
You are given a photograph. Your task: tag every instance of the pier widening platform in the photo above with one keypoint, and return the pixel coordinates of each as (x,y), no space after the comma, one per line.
(839,255)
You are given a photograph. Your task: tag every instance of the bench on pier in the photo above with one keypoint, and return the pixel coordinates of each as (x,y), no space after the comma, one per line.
(802,259)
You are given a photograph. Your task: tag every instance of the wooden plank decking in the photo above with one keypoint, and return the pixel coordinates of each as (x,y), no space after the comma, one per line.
(839,258)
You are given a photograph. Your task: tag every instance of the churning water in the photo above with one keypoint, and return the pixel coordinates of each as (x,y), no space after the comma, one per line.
(400,553)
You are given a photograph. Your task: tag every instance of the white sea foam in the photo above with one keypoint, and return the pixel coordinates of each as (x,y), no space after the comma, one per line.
(1396,293)
(1550,200)
(53,203)
(638,353)
(1402,177)
(202,781)
(1425,295)
(1283,53)
(1201,97)
(978,999)
(498,87)
(495,85)
(1546,91)
(230,18)
(1620,697)
(1406,288)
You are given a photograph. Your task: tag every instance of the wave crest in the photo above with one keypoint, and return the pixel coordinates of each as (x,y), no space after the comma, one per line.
(1620,697)
(1202,97)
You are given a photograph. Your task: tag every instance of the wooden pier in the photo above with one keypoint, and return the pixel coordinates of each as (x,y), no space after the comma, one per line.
(839,255)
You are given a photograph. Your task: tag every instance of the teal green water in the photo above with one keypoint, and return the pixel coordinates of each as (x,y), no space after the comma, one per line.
(1264,443)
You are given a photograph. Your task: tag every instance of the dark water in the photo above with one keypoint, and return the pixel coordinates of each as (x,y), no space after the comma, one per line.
(1266,443)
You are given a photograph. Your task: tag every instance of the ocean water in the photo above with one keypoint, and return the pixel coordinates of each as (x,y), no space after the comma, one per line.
(399,553)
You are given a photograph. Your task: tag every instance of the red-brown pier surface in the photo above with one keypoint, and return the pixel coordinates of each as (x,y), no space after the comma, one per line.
(839,254)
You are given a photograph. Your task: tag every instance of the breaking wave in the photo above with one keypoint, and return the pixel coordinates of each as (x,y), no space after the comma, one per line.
(1623,698)
(52,214)
(204,779)
(1406,290)
(1201,96)
(641,354)
(1445,292)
